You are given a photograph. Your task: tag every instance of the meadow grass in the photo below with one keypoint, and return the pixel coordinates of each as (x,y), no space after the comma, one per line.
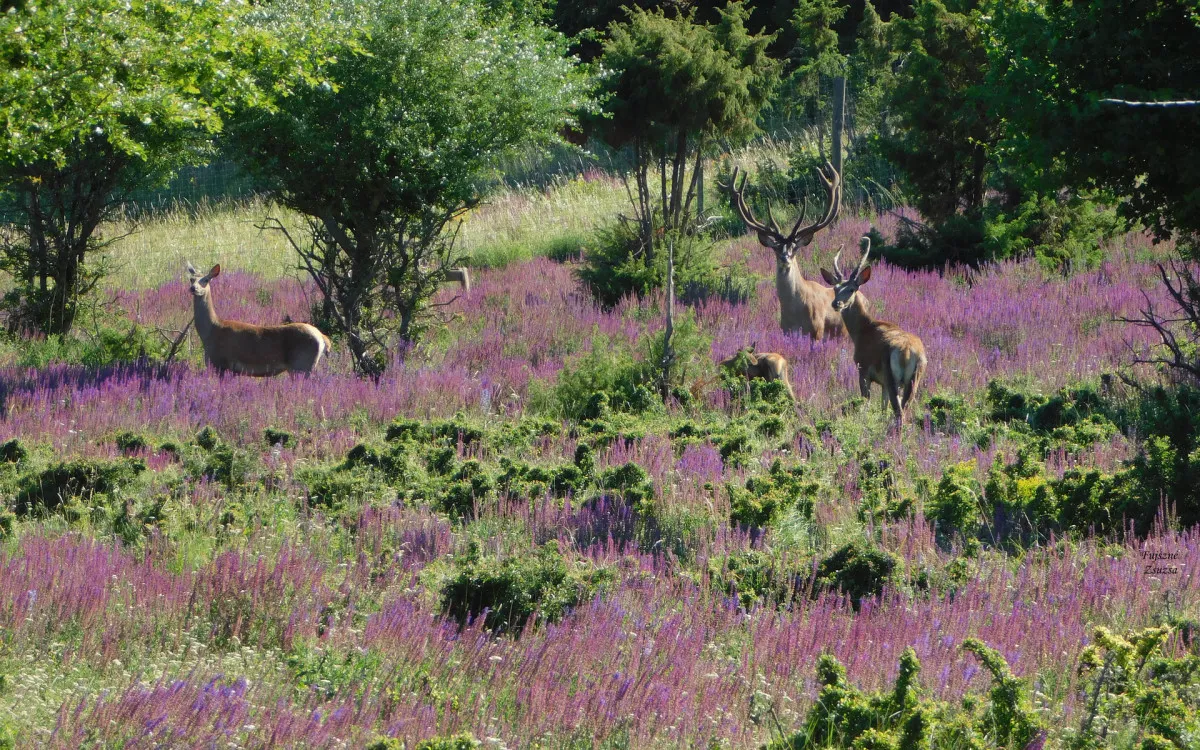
(513,225)
(196,560)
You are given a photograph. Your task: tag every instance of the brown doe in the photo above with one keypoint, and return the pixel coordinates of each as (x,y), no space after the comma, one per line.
(804,304)
(460,275)
(249,349)
(766,365)
(884,352)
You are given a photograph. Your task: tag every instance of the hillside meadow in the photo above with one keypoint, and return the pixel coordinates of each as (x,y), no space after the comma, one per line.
(503,537)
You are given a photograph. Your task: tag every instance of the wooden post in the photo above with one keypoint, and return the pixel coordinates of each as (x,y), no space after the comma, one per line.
(839,120)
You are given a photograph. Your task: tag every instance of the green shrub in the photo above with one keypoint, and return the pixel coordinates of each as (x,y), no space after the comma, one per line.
(512,590)
(1020,496)
(845,717)
(955,505)
(47,490)
(1008,717)
(13,451)
(755,577)
(208,438)
(617,265)
(858,570)
(118,342)
(130,442)
(403,429)
(334,487)
(275,437)
(766,496)
(630,480)
(902,718)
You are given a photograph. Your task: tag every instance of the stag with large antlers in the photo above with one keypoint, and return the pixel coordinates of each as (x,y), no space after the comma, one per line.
(230,345)
(884,352)
(804,304)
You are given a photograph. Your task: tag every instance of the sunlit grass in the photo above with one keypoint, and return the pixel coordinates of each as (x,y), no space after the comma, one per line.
(512,226)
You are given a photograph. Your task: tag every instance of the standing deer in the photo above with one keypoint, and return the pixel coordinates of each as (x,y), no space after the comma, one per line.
(461,275)
(250,349)
(884,352)
(766,365)
(804,305)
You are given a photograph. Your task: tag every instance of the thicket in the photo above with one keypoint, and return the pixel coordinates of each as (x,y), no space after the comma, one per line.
(1018,501)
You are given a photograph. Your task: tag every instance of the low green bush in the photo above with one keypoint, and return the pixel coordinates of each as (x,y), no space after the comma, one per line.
(514,589)
(859,570)
(47,490)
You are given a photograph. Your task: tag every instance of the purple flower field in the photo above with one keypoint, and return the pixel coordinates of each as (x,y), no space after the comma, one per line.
(245,617)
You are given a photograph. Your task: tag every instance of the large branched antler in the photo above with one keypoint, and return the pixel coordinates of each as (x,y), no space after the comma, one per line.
(833,188)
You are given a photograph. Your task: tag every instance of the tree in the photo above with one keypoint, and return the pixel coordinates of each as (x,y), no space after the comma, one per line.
(101,96)
(1055,61)
(382,163)
(945,129)
(673,87)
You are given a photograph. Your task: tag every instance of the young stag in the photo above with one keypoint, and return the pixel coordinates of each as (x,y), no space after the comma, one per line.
(250,349)
(804,305)
(884,353)
(766,365)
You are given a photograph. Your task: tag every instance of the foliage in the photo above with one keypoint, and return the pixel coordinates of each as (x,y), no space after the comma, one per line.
(902,718)
(1007,719)
(949,143)
(513,590)
(756,577)
(1052,63)
(610,379)
(101,345)
(955,506)
(859,570)
(48,490)
(385,159)
(672,88)
(1136,688)
(766,496)
(127,102)
(616,266)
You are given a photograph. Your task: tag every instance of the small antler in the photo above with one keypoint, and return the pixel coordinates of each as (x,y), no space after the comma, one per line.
(862,263)
(837,268)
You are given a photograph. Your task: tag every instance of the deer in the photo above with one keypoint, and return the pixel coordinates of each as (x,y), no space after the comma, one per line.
(461,275)
(804,304)
(261,351)
(766,365)
(884,352)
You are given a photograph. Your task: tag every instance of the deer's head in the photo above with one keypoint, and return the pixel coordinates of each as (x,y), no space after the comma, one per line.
(200,283)
(846,286)
(770,235)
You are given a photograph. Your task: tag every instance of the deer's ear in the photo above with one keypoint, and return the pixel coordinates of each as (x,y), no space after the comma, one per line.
(829,279)
(191,270)
(864,275)
(215,272)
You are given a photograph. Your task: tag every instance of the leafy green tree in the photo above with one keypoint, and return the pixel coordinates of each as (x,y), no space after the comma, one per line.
(944,128)
(673,87)
(384,161)
(1054,61)
(137,92)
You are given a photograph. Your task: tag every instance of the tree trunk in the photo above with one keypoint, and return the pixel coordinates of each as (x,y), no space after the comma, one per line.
(668,350)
